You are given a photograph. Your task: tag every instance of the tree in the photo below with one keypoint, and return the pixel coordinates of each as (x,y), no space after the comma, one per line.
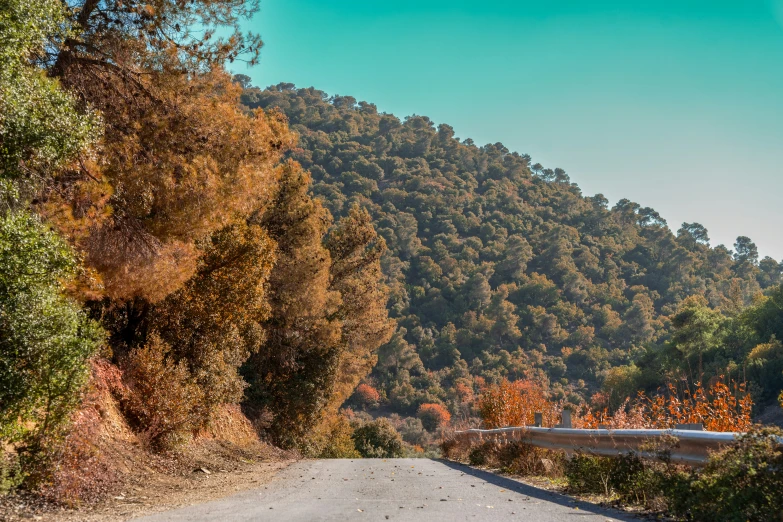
(46,339)
(40,127)
(367,396)
(770,272)
(639,319)
(745,251)
(478,291)
(517,255)
(182,160)
(177,169)
(292,373)
(515,404)
(217,320)
(692,234)
(243,80)
(501,311)
(696,329)
(765,365)
(356,251)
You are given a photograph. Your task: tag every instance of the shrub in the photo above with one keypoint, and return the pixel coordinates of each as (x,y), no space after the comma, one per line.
(479,456)
(161,400)
(589,474)
(46,338)
(332,440)
(515,457)
(515,404)
(527,460)
(720,407)
(11,474)
(741,483)
(626,476)
(367,396)
(433,416)
(378,439)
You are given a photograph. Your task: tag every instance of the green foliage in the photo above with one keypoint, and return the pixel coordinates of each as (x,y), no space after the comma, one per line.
(627,476)
(11,474)
(740,483)
(498,267)
(412,431)
(45,338)
(589,474)
(378,439)
(40,127)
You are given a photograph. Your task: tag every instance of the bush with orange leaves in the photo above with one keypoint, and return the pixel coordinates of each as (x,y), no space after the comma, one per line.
(367,396)
(515,404)
(433,416)
(719,407)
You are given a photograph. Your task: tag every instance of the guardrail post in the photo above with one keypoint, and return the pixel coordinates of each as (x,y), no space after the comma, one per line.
(539,419)
(566,419)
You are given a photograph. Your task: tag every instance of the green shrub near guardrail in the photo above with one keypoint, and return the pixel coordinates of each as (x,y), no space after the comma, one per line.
(744,482)
(741,483)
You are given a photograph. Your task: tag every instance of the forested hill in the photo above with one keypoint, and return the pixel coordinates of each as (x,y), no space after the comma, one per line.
(499,266)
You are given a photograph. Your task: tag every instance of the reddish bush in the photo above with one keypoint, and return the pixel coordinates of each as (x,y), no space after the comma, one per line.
(464,392)
(433,416)
(162,401)
(367,396)
(83,472)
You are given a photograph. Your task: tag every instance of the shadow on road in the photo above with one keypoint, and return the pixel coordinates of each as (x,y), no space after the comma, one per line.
(588,508)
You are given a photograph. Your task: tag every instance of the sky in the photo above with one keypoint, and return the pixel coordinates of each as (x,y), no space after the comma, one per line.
(674,104)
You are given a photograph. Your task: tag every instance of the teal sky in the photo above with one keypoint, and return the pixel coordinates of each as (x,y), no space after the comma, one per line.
(675,104)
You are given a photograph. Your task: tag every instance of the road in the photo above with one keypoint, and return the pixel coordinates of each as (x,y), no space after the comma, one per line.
(393,489)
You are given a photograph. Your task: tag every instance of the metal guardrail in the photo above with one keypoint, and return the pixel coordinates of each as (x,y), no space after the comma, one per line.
(690,447)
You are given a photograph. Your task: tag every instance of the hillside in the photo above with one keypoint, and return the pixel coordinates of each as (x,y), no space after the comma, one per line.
(499,267)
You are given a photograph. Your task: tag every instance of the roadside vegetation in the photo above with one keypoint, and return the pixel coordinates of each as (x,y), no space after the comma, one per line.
(738,483)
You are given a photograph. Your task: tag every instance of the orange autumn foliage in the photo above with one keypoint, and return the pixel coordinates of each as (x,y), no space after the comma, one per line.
(367,395)
(433,416)
(464,392)
(515,404)
(719,407)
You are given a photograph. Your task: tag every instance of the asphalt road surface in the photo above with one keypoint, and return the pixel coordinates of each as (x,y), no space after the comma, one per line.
(391,489)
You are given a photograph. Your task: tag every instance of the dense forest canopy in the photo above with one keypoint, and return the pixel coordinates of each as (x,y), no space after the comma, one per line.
(500,267)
